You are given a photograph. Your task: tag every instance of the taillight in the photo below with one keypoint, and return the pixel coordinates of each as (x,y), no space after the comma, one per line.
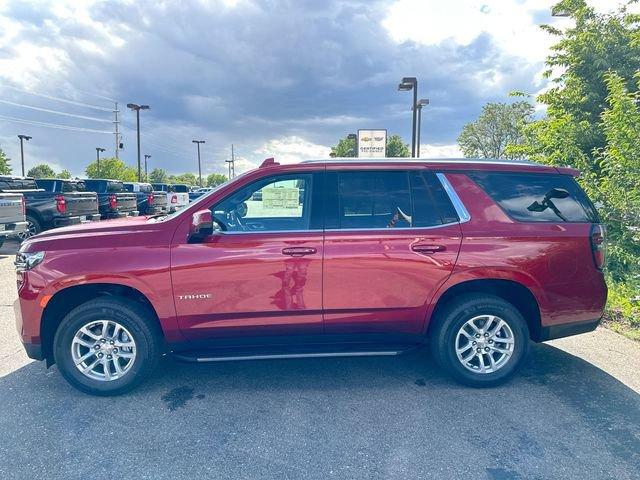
(174,199)
(113,202)
(150,199)
(24,206)
(599,245)
(61,204)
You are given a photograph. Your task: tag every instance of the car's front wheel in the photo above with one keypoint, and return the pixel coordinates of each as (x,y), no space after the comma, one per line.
(107,346)
(481,340)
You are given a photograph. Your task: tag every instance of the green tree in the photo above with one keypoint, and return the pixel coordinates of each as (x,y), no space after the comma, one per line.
(112,168)
(5,163)
(184,178)
(498,129)
(158,175)
(346,147)
(215,179)
(618,185)
(396,147)
(64,174)
(41,171)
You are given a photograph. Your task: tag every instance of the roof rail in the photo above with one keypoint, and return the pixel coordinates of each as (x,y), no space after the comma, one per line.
(269,162)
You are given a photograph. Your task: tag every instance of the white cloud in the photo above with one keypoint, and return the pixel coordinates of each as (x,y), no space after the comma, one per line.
(292,149)
(440,151)
(512,25)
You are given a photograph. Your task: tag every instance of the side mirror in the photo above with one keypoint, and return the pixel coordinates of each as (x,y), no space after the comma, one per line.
(201,224)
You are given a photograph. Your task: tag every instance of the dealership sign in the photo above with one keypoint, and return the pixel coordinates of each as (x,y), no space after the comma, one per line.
(372,143)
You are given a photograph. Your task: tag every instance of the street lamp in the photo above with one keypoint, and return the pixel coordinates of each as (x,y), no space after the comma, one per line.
(137,109)
(421,103)
(198,142)
(354,137)
(411,83)
(146,176)
(22,138)
(98,150)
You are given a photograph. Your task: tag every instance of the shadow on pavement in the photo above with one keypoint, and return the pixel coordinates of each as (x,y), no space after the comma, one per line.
(345,418)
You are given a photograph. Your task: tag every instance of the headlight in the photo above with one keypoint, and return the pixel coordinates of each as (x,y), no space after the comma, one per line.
(26,261)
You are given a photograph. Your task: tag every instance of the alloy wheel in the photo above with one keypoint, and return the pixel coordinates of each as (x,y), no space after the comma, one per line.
(484,344)
(103,350)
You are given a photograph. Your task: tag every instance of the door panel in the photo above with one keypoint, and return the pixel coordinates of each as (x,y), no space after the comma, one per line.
(392,237)
(244,284)
(376,282)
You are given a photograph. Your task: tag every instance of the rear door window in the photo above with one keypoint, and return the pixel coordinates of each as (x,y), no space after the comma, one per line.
(386,199)
(535,197)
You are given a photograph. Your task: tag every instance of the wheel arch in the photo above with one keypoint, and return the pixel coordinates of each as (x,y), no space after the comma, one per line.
(65,300)
(511,291)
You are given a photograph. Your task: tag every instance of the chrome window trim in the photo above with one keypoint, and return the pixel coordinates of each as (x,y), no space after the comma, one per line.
(461,210)
(337,230)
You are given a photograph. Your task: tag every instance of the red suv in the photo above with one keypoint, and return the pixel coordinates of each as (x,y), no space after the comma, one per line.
(323,259)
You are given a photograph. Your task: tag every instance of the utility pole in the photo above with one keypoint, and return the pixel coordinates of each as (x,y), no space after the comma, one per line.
(22,138)
(146,176)
(137,109)
(98,150)
(117,123)
(198,142)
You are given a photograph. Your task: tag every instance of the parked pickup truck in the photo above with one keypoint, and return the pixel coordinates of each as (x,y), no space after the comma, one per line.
(177,195)
(12,219)
(149,202)
(49,209)
(113,200)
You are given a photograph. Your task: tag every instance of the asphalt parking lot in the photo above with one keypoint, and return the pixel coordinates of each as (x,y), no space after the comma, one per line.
(573,412)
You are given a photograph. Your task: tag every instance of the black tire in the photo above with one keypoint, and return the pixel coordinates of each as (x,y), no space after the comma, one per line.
(450,320)
(132,316)
(33,228)
(2,240)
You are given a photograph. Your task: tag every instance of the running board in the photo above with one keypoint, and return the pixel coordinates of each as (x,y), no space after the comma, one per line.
(282,356)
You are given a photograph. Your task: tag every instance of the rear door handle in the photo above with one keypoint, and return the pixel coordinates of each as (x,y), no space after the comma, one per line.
(424,248)
(298,251)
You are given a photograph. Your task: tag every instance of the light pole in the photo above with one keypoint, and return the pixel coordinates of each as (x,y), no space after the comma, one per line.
(146,176)
(198,142)
(354,137)
(22,138)
(137,109)
(421,103)
(411,83)
(98,150)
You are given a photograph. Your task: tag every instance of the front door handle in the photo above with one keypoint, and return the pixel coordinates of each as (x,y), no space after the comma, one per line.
(424,248)
(298,251)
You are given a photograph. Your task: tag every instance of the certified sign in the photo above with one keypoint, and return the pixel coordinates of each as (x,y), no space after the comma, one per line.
(372,143)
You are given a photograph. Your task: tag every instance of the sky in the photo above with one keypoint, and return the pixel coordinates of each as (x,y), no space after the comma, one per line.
(283,79)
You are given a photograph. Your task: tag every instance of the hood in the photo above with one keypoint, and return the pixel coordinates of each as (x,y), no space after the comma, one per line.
(117,232)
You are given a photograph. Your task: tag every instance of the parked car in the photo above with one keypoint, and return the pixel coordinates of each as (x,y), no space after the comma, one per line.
(12,215)
(113,199)
(47,209)
(473,258)
(177,195)
(198,192)
(149,201)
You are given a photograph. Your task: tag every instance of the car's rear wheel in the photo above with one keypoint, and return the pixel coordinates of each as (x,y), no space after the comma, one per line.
(33,228)
(107,346)
(481,340)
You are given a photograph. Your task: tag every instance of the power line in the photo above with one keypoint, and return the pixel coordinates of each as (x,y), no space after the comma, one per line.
(40,109)
(64,100)
(52,125)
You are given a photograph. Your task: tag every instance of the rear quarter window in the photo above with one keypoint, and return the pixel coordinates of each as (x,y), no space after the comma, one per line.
(535,197)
